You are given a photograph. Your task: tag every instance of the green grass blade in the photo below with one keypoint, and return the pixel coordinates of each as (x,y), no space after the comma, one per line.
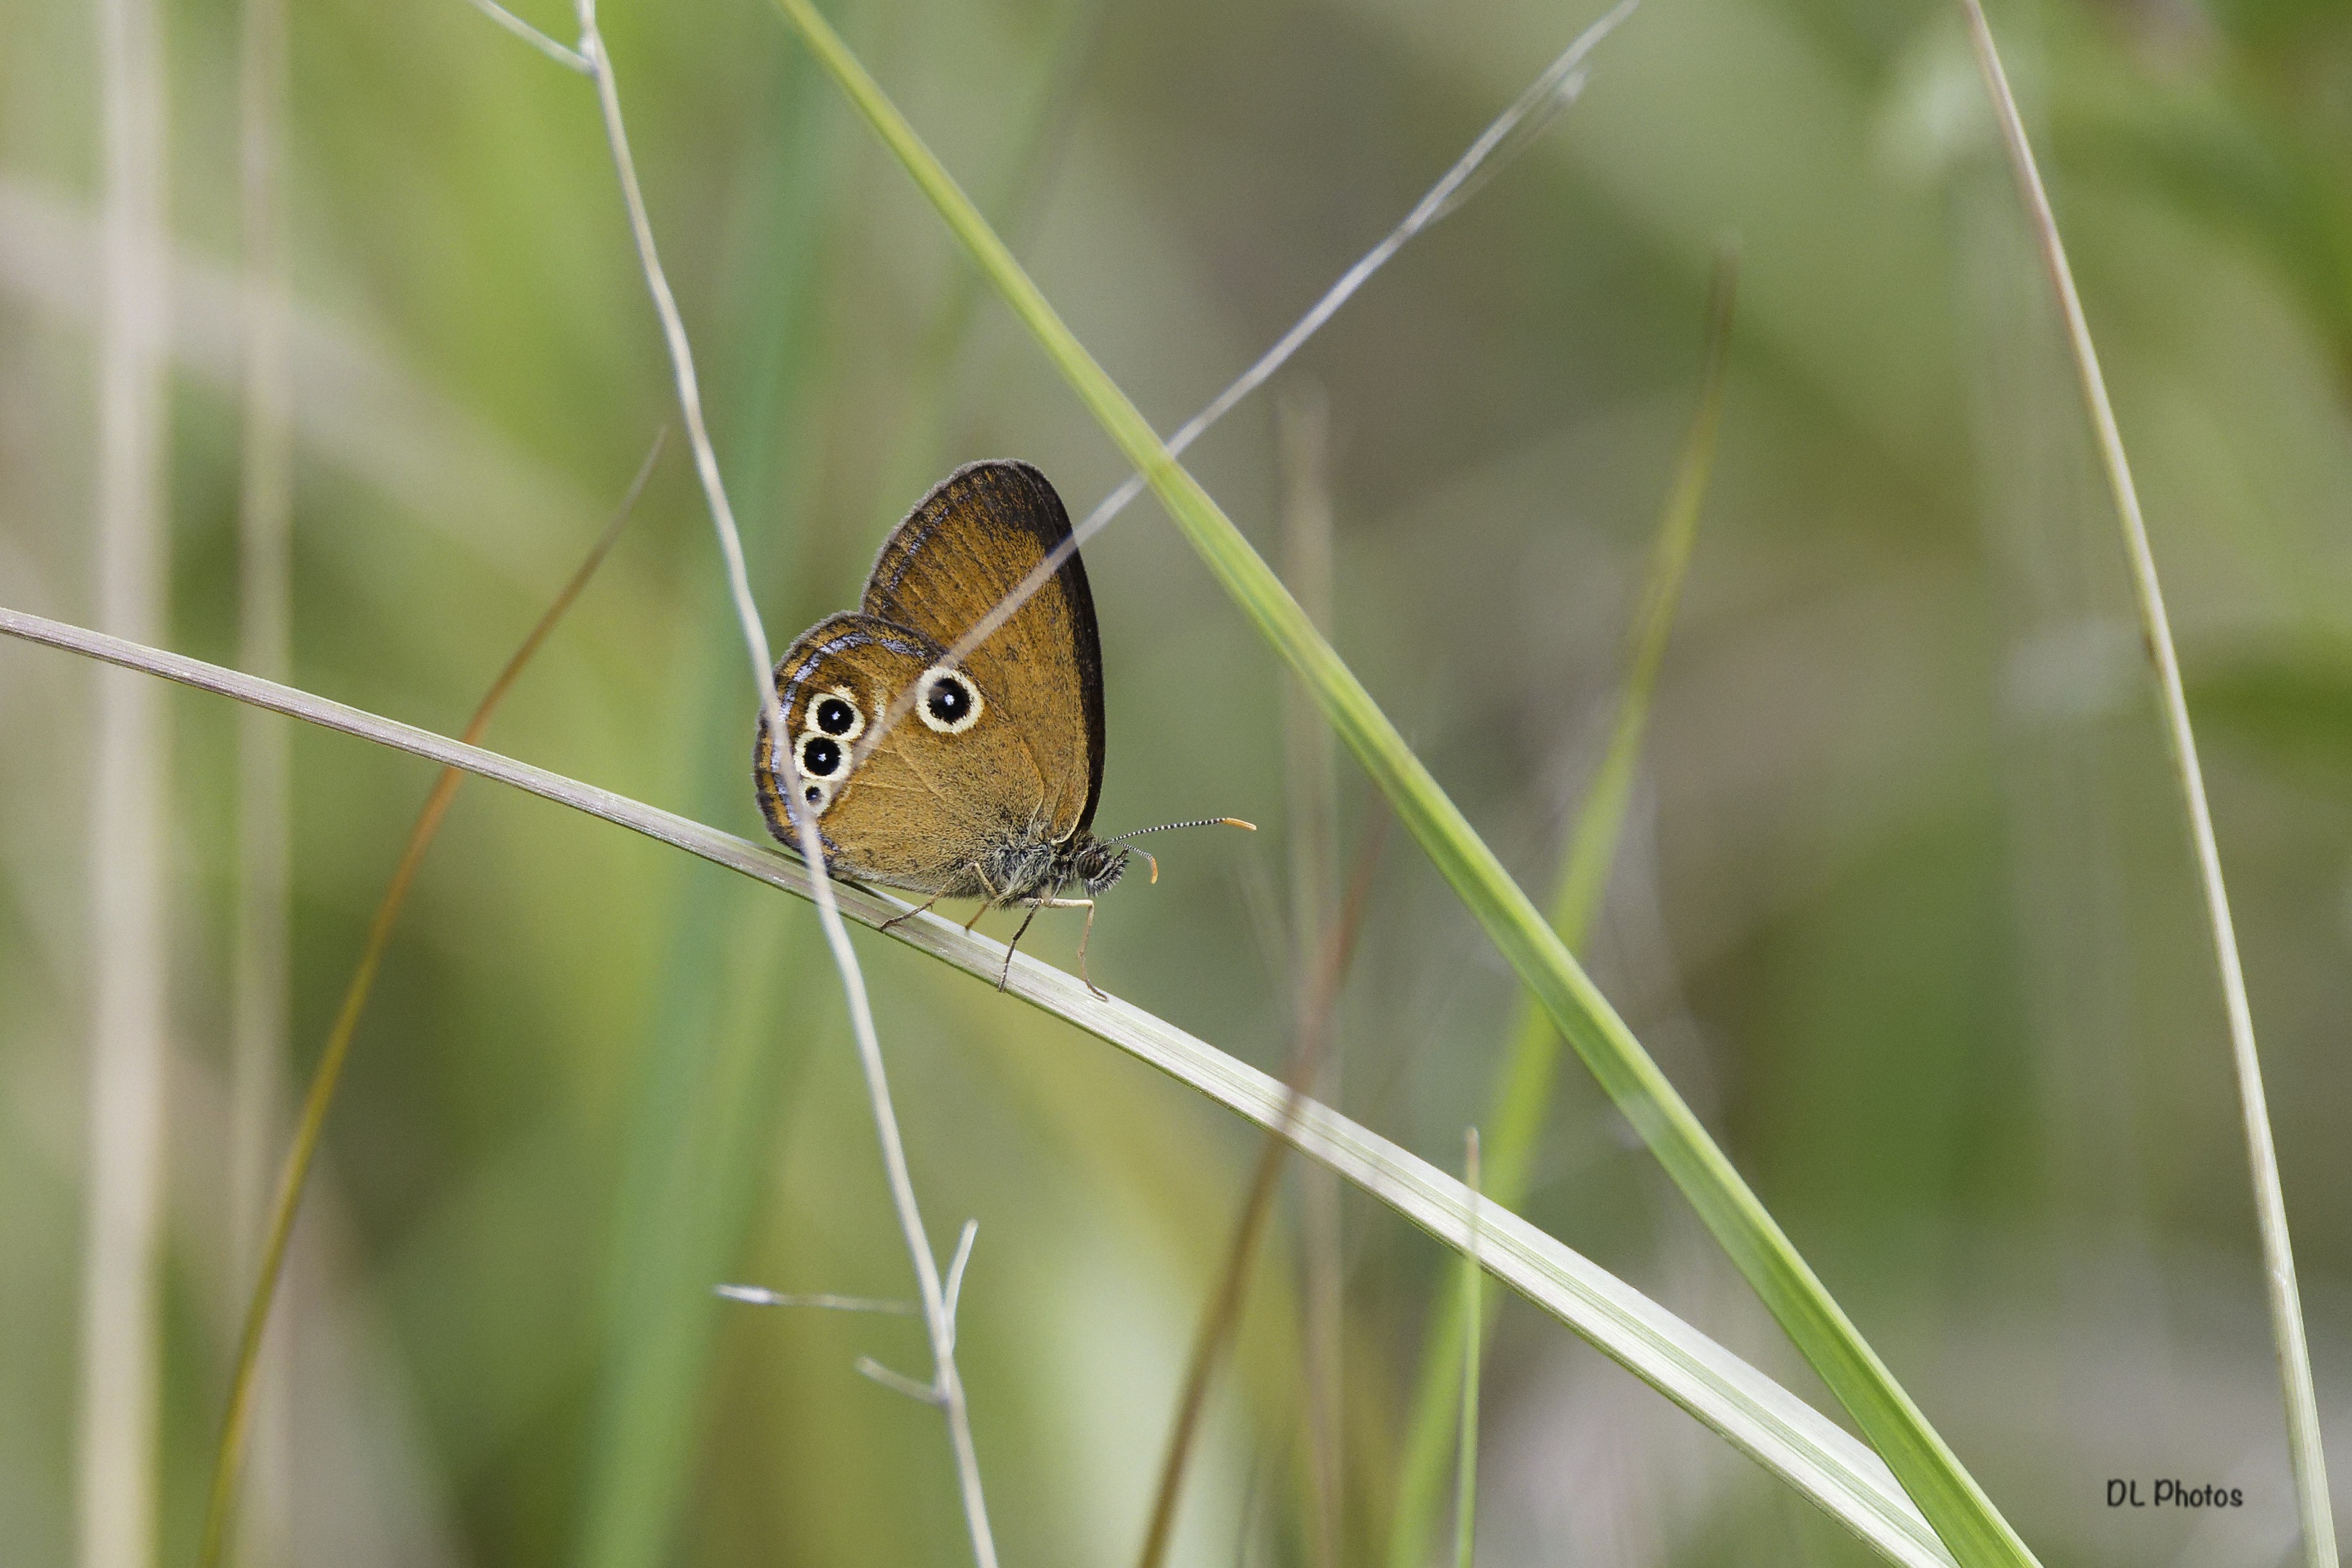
(1945,1491)
(1474,1334)
(2305,1455)
(1523,1087)
(1795,1442)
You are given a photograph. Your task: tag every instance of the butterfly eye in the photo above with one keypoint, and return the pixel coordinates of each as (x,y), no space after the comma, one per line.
(820,756)
(949,703)
(834,714)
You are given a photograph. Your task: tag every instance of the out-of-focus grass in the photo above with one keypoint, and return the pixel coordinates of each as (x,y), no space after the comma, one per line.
(318,1102)
(1961,1042)
(716,1049)
(1522,1104)
(1967,1520)
(2306,1460)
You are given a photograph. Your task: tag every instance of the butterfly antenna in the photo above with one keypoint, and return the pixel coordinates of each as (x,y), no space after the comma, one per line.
(1166,826)
(1196,822)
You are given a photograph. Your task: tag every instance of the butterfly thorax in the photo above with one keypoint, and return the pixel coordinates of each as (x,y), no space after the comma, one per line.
(1026,868)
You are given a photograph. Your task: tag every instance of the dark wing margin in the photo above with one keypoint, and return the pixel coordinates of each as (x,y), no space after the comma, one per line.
(962,550)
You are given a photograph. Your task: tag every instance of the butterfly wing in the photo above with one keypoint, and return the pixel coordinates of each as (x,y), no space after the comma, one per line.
(933,800)
(964,548)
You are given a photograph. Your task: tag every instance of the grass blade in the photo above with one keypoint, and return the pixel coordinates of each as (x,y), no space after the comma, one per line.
(1950,1497)
(1311,812)
(2309,1463)
(120,1404)
(1474,1333)
(1811,1453)
(1523,1087)
(327,1077)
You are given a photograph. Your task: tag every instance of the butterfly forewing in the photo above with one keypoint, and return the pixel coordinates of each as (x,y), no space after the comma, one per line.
(965,547)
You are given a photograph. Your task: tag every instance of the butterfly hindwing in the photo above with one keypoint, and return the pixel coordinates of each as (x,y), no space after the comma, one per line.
(935,798)
(965,547)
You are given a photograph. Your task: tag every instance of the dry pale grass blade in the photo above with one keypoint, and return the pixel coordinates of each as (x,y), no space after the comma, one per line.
(327,1077)
(1795,1442)
(2305,1453)
(1220,1318)
(1523,1087)
(129,1056)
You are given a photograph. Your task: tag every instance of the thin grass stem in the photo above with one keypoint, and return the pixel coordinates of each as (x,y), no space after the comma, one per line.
(899,1382)
(570,59)
(947,1381)
(755,1296)
(327,1077)
(958,1264)
(1809,1452)
(1520,1105)
(681,358)
(2302,1404)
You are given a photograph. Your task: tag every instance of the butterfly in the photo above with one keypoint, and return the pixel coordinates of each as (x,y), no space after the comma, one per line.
(960,778)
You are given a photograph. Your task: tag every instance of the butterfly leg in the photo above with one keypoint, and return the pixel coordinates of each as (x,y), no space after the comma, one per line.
(1005,979)
(1088,905)
(918,910)
(986,904)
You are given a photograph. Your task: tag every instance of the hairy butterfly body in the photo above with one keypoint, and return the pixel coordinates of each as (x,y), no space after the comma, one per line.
(986,787)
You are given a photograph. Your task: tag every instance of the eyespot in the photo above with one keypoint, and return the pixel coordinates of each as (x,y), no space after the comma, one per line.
(817,793)
(949,703)
(820,756)
(836,713)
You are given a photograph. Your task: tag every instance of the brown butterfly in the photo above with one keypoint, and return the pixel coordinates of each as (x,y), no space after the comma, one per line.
(987,788)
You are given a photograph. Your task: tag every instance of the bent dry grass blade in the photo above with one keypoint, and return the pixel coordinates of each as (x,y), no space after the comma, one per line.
(1946,1494)
(1797,1443)
(1523,1087)
(327,1077)
(2305,1454)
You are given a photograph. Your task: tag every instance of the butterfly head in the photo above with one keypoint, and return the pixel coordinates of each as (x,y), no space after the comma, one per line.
(1094,864)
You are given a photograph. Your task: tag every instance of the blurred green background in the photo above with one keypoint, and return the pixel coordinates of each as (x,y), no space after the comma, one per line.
(1905,907)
